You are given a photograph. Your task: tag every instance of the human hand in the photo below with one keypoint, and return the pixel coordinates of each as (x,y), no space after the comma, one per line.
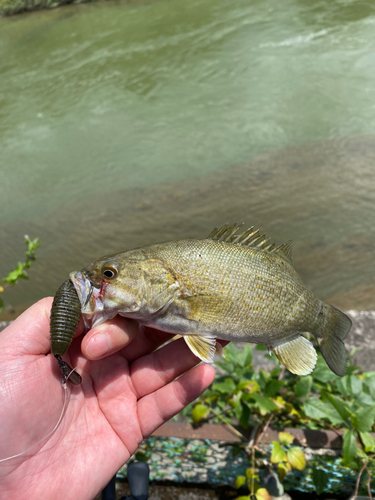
(124,396)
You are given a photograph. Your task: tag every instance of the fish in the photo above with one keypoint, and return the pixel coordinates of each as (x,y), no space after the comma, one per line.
(233,285)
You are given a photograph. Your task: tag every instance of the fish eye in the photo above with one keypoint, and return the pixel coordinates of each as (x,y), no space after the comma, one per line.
(109,272)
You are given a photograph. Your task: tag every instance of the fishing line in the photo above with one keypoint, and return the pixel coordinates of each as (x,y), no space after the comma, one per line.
(67,394)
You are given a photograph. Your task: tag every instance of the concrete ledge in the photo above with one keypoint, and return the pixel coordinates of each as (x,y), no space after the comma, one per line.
(220,432)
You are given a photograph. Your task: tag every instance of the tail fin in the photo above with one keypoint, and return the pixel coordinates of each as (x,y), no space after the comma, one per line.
(333,327)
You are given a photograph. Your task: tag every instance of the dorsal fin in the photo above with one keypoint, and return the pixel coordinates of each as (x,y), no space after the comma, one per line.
(251,239)
(286,249)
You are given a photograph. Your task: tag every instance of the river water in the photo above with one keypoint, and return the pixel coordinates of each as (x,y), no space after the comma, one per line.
(127,123)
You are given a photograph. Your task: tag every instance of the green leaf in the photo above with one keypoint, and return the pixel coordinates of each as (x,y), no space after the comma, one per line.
(355,385)
(16,274)
(315,408)
(262,494)
(275,372)
(364,419)
(349,448)
(224,365)
(368,441)
(286,438)
(1,304)
(238,373)
(251,474)
(199,412)
(364,398)
(263,378)
(320,480)
(226,387)
(282,470)
(240,481)
(264,404)
(303,387)
(32,246)
(322,373)
(231,353)
(296,458)
(277,454)
(245,415)
(245,357)
(242,498)
(338,404)
(249,386)
(370,385)
(236,403)
(221,404)
(260,347)
(272,387)
(341,385)
(361,455)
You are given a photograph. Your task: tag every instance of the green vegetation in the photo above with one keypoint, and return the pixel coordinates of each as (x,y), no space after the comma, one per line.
(245,397)
(9,7)
(20,272)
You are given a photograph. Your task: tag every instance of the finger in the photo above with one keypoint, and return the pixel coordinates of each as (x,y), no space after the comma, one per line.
(108,338)
(145,342)
(158,407)
(150,373)
(30,333)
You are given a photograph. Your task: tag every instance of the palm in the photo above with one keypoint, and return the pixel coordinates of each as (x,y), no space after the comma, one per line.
(123,399)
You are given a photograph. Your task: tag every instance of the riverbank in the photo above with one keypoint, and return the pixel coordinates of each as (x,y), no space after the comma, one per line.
(11,7)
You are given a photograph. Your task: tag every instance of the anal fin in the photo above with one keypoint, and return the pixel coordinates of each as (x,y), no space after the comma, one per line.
(298,355)
(202,347)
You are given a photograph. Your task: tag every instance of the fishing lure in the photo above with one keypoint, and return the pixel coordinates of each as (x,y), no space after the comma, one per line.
(65,316)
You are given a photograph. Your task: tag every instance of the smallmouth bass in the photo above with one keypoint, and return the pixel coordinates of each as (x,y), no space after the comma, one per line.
(231,286)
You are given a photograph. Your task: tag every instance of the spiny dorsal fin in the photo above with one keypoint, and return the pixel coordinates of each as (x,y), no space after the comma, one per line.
(250,238)
(286,249)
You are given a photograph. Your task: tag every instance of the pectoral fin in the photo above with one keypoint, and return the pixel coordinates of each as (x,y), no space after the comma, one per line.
(298,355)
(203,347)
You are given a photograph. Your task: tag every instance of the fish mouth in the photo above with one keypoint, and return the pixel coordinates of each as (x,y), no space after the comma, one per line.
(92,307)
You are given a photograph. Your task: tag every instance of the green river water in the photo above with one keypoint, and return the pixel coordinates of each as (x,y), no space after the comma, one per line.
(127,123)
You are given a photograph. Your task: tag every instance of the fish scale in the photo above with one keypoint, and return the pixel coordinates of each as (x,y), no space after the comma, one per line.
(263,302)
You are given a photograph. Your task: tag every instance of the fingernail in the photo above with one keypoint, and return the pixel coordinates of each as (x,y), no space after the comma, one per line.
(98,345)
